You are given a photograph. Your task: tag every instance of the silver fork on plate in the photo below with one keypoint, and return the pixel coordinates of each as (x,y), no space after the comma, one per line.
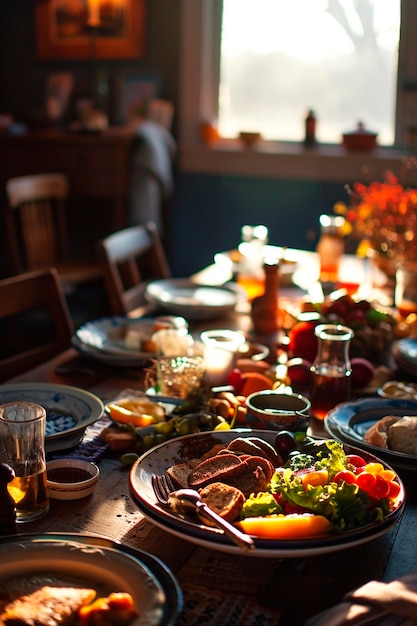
(188,501)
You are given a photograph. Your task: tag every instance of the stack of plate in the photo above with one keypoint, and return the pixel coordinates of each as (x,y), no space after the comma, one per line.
(405,355)
(105,340)
(180,296)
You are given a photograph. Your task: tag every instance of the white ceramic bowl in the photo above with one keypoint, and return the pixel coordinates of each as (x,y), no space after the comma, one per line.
(71,479)
(272,410)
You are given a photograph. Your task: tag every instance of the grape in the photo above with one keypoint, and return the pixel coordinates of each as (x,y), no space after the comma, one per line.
(285,443)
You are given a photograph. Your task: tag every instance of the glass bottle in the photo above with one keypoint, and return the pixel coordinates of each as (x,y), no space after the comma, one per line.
(331,370)
(310,129)
(330,247)
(252,250)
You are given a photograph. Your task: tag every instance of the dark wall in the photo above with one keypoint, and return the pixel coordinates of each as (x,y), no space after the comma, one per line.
(209,211)
(23,76)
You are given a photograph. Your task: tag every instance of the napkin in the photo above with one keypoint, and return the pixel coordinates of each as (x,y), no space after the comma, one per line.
(385,604)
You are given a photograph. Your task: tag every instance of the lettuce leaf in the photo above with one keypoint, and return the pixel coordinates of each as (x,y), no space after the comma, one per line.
(260,505)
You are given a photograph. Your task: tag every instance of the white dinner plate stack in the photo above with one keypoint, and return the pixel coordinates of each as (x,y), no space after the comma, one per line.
(105,340)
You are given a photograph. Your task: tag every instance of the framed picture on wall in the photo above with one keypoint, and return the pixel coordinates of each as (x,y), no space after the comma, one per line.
(90,29)
(136,90)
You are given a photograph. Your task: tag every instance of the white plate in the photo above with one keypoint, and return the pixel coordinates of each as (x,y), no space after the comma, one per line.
(82,407)
(95,562)
(192,301)
(157,461)
(349,421)
(107,336)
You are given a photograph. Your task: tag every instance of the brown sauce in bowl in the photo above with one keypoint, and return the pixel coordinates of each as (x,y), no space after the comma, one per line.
(68,475)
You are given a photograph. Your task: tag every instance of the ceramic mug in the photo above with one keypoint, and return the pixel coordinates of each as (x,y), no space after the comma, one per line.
(272,410)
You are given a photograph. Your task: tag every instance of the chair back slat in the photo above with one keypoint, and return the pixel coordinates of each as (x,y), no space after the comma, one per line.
(35,322)
(129,259)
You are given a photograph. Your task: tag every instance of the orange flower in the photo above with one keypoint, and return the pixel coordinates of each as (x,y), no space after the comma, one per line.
(383,216)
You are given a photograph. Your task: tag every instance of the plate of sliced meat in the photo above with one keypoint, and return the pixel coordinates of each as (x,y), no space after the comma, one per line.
(279,490)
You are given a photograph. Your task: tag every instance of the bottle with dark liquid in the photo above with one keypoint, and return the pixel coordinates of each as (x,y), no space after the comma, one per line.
(331,370)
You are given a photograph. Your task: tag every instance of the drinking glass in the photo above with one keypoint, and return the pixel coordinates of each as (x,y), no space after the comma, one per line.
(22,446)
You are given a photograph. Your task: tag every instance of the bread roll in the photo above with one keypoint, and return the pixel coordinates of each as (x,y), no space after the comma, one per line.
(394,433)
(377,434)
(402,435)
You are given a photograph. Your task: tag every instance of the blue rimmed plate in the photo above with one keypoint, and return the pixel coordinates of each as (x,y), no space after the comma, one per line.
(69,410)
(348,422)
(105,339)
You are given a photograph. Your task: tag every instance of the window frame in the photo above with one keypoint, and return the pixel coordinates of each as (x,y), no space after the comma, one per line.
(199,80)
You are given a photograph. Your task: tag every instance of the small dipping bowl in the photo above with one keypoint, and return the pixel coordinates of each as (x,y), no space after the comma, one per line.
(71,479)
(271,410)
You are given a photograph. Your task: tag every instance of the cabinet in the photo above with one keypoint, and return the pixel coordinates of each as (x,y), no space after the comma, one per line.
(97,165)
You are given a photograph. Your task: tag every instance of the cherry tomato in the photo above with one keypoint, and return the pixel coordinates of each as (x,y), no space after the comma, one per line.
(374,468)
(346,475)
(315,478)
(394,490)
(381,488)
(235,379)
(366,481)
(356,460)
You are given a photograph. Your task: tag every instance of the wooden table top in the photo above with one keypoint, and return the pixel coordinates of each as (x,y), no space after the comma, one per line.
(285,591)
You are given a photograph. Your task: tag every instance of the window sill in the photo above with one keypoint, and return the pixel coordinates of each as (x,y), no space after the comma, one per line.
(327,163)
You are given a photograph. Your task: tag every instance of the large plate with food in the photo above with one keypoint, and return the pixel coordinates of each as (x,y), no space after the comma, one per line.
(69,410)
(72,570)
(352,422)
(288,536)
(117,340)
(181,296)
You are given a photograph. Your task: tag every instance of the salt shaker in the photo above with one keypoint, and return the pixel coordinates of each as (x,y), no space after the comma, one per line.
(7,504)
(331,370)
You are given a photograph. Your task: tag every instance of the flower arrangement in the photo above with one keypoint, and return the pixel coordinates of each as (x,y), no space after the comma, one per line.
(382,216)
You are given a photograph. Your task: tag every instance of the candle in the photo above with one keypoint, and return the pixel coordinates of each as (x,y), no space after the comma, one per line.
(220,352)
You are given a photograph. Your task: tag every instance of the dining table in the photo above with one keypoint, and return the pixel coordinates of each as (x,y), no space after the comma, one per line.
(285,591)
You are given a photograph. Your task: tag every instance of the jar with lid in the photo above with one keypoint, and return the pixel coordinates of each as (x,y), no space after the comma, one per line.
(330,247)
(331,370)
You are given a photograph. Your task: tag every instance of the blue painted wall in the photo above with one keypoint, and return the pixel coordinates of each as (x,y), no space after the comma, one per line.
(208,211)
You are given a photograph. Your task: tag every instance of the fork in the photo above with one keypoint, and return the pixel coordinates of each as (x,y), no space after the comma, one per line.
(186,501)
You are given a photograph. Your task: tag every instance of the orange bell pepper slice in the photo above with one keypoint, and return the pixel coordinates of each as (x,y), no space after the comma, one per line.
(303,526)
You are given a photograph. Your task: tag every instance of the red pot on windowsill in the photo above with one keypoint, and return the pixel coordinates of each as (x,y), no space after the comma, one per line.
(360,139)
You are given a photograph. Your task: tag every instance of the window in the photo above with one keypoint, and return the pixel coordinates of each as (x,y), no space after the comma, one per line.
(205,69)
(279,58)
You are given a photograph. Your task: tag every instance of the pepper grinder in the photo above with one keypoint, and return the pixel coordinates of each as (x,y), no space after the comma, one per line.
(7,505)
(265,310)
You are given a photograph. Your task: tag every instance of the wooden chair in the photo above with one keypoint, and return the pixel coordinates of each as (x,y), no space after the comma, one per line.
(35,323)
(36,229)
(129,259)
